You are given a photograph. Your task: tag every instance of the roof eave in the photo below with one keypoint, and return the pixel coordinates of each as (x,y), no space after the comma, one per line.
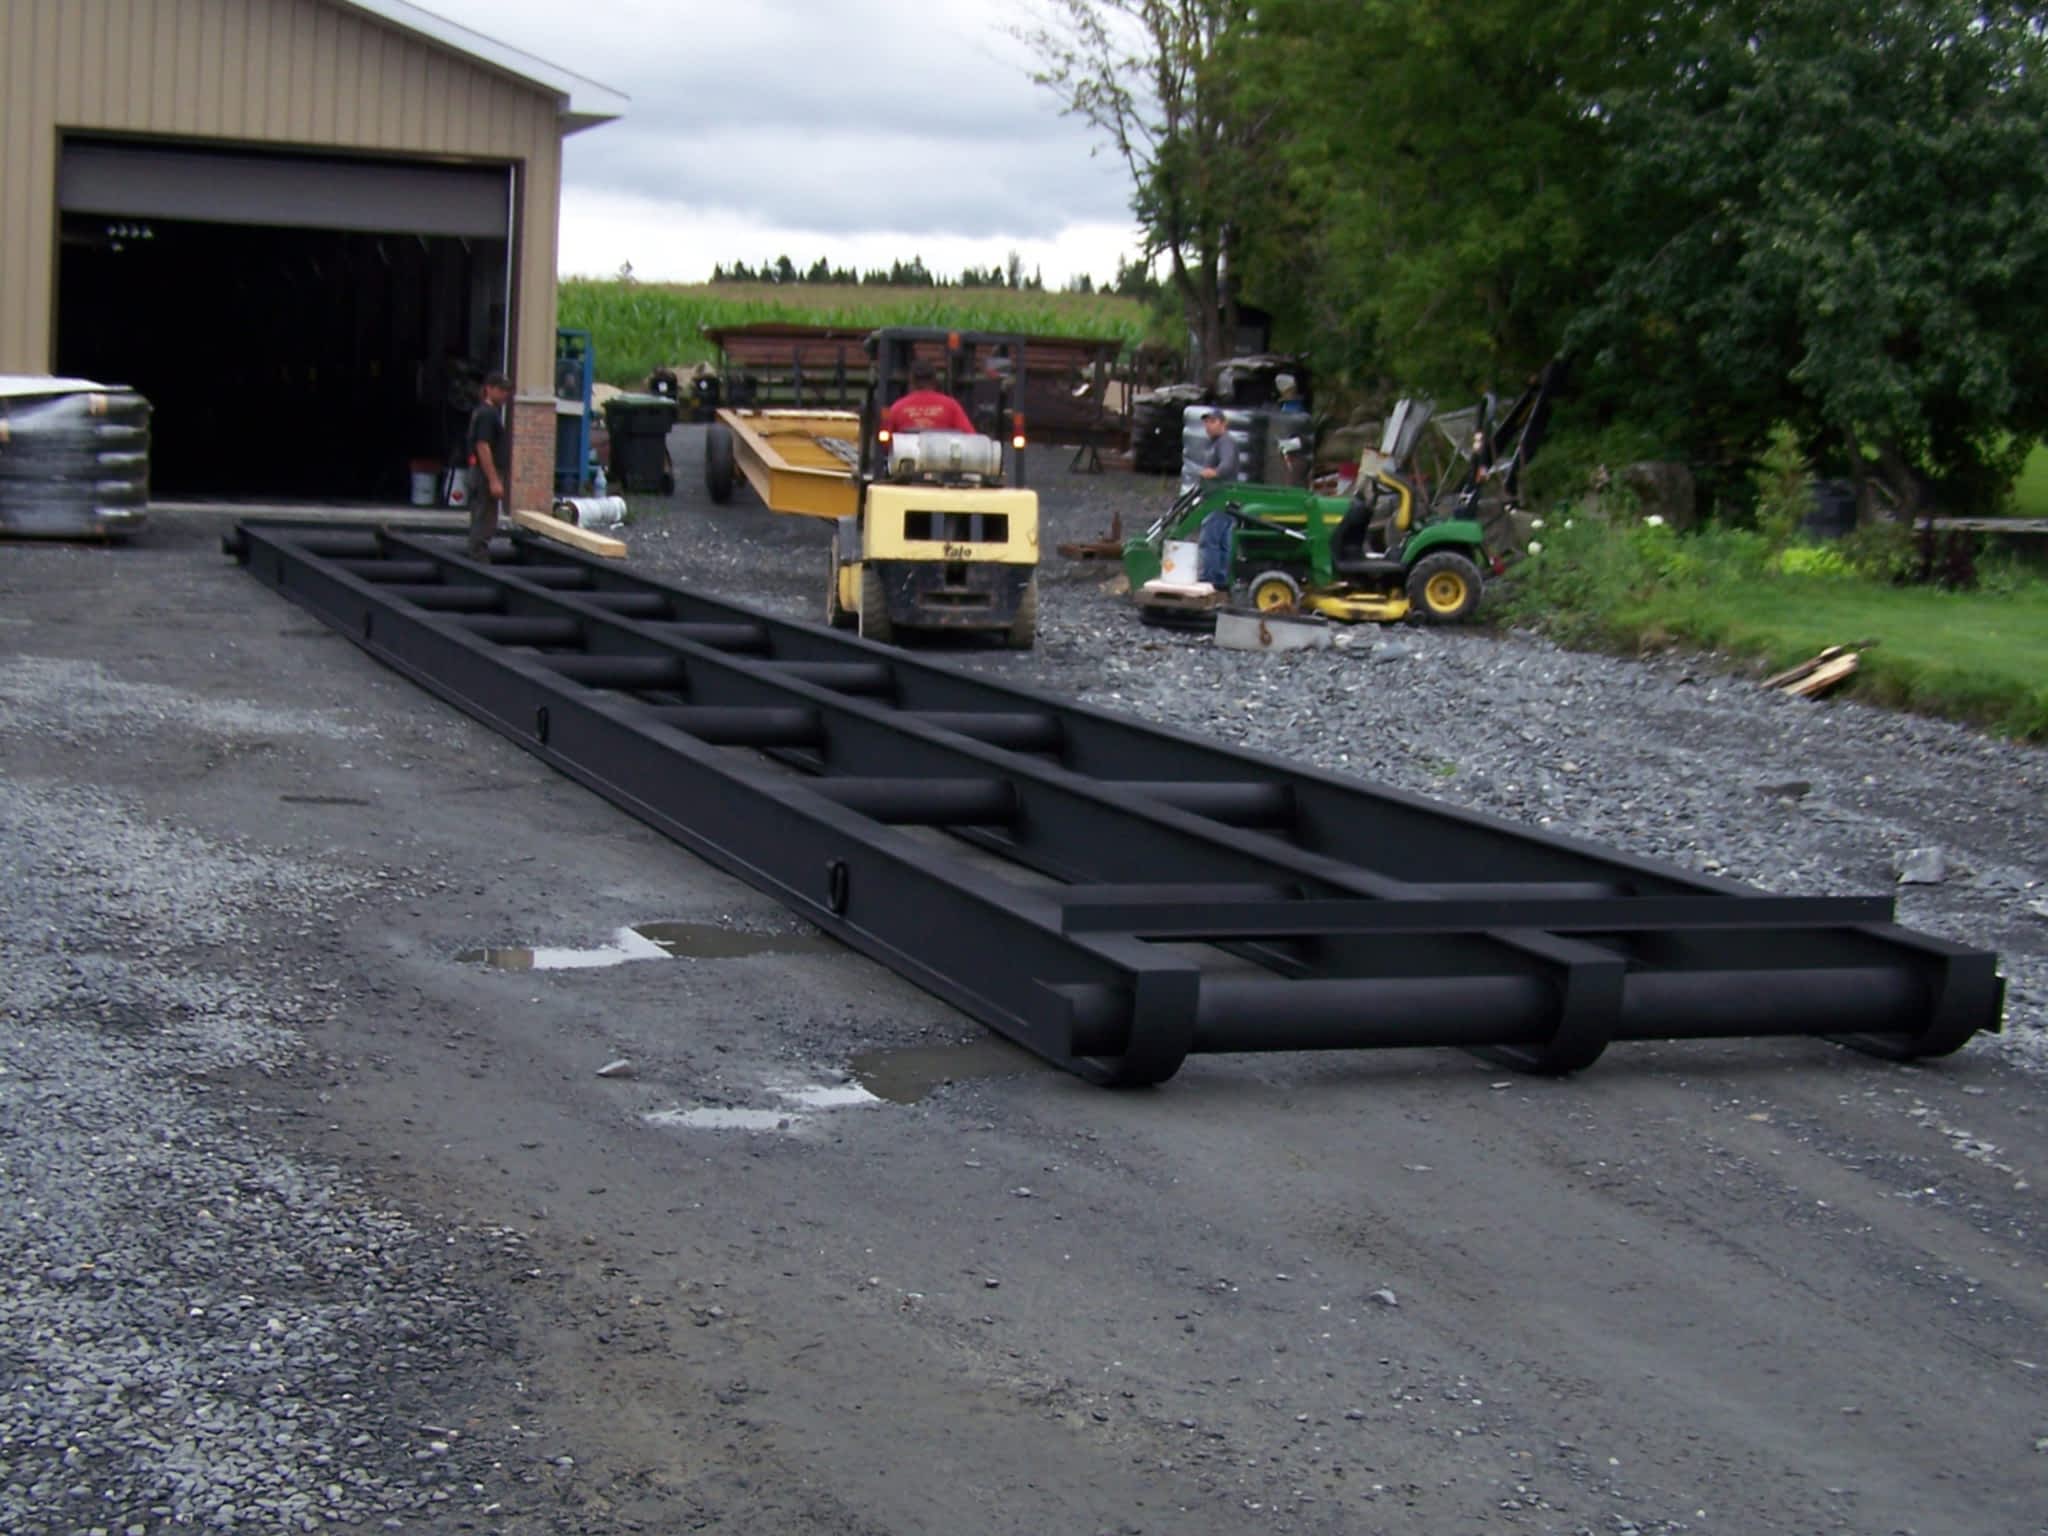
(582,103)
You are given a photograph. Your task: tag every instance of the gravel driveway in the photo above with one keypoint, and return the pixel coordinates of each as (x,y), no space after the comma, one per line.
(313,1221)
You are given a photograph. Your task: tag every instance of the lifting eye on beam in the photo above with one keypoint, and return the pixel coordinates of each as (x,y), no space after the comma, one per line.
(1113,896)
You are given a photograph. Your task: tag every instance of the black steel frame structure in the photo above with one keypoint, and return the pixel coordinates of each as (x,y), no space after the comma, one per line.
(1111,895)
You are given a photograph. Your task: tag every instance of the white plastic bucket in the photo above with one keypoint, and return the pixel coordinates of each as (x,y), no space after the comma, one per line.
(1181,564)
(423,487)
(458,488)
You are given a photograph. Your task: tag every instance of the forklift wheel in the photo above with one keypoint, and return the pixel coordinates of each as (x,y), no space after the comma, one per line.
(718,462)
(1275,592)
(836,613)
(1444,587)
(874,606)
(1024,627)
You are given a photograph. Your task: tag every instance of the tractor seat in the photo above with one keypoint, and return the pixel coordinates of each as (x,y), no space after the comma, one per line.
(1361,540)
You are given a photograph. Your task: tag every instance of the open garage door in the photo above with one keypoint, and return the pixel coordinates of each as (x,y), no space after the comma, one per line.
(307,327)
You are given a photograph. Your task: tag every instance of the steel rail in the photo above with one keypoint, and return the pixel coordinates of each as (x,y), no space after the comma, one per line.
(1300,888)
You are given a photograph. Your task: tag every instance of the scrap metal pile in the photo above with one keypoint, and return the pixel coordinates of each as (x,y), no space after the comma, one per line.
(1113,896)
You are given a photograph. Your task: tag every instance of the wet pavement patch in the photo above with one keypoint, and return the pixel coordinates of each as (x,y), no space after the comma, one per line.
(652,941)
(801,1103)
(907,1075)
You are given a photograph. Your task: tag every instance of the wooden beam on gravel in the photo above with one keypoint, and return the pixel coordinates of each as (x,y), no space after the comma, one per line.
(568,533)
(1832,667)
(1793,674)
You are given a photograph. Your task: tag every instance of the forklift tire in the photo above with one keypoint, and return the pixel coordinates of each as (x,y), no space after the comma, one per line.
(1444,587)
(874,606)
(718,462)
(1024,627)
(1274,592)
(836,613)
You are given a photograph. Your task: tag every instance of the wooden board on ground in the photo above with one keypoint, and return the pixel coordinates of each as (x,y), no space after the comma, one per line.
(1824,677)
(568,533)
(1793,674)
(1832,667)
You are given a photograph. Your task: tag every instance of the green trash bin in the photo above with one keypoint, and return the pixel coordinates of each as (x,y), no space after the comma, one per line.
(639,426)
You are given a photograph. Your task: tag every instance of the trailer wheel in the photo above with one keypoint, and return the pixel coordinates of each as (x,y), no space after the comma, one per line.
(1444,587)
(874,606)
(837,614)
(1024,627)
(718,462)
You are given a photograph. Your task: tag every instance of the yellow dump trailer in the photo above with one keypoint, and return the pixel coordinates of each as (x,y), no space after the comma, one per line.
(934,531)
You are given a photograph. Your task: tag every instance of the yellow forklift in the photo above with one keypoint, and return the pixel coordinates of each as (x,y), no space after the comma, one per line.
(937,532)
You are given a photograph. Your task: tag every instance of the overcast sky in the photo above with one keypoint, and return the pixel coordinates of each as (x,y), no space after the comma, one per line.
(863,131)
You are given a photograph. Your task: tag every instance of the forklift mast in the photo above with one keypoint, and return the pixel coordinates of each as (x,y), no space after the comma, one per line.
(983,370)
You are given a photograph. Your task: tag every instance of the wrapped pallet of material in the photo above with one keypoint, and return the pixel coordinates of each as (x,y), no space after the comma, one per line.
(74,458)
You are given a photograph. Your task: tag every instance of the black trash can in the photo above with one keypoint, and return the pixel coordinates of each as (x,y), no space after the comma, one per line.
(639,426)
(1834,510)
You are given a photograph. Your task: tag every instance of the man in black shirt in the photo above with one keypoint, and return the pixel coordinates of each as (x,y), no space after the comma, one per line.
(488,463)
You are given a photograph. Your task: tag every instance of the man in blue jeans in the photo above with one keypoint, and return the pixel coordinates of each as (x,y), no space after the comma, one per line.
(1212,559)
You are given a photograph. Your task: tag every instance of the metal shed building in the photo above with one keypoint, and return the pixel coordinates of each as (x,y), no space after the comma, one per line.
(299,226)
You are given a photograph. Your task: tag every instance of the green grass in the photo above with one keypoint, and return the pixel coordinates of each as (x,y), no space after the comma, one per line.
(2030,491)
(1977,656)
(638,327)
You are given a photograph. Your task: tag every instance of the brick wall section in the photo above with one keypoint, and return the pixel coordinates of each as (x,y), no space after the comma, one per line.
(533,454)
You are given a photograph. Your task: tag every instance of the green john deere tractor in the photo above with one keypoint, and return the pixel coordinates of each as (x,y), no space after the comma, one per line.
(1384,554)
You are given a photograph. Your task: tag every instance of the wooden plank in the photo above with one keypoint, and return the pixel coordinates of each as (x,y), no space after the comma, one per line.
(1821,679)
(568,533)
(1793,674)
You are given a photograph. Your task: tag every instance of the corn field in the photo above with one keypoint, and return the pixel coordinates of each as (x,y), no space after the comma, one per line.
(638,327)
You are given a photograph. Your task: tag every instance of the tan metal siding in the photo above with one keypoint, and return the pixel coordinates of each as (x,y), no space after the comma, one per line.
(308,74)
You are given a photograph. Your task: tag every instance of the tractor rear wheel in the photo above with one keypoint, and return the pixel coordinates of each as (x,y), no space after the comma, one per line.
(874,606)
(1024,627)
(718,462)
(1274,592)
(1444,587)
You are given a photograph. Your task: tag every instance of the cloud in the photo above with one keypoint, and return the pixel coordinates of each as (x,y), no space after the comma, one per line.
(817,125)
(678,242)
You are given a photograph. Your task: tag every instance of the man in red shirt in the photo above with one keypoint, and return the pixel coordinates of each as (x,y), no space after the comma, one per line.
(925,408)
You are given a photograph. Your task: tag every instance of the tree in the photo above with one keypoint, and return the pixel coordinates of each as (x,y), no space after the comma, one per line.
(1835,213)
(785,270)
(1155,79)
(1435,212)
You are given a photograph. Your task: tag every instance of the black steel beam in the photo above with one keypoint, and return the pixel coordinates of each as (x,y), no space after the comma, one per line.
(1366,917)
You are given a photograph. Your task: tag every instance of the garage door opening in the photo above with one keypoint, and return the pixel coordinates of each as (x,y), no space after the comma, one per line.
(286,360)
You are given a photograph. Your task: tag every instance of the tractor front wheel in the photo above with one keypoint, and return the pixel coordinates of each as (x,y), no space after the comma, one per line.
(1274,592)
(1444,587)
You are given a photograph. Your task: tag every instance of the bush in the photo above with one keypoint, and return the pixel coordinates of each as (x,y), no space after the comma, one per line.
(1881,552)
(1784,488)
(1814,560)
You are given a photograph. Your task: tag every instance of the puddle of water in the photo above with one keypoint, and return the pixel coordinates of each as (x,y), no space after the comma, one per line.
(836,1096)
(701,941)
(905,1076)
(804,1101)
(651,941)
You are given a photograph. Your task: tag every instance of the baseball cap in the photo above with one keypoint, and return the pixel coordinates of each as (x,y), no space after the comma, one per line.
(1212,414)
